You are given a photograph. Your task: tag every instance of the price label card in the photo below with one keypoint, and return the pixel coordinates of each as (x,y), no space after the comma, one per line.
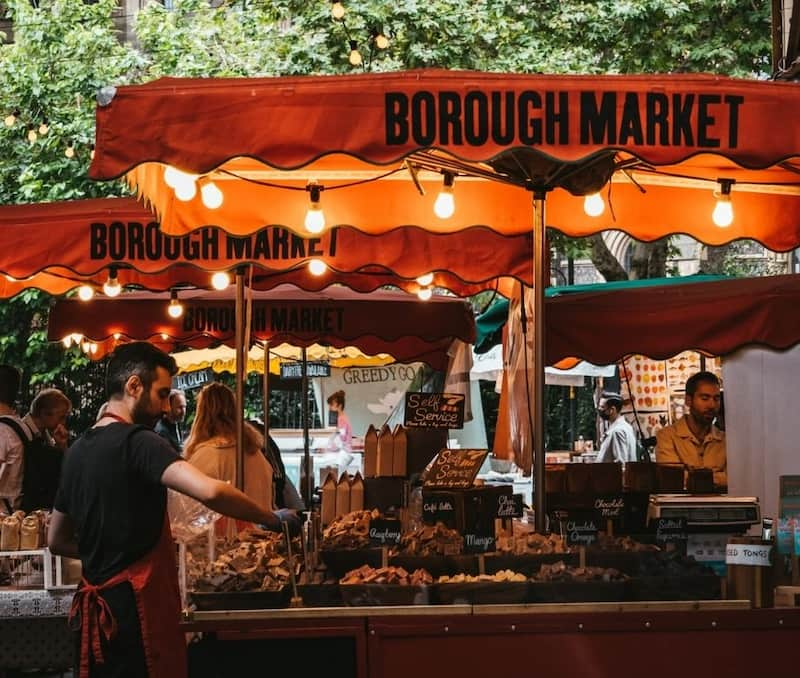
(479,542)
(580,531)
(754,555)
(509,507)
(610,508)
(439,507)
(384,532)
(671,531)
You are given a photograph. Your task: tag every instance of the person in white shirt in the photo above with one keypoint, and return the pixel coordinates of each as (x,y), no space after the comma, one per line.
(12,451)
(619,442)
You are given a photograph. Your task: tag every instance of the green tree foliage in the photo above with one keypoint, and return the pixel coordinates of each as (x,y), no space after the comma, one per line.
(63,51)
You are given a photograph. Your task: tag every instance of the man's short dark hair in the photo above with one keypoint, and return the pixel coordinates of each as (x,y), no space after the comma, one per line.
(140,359)
(174,393)
(612,399)
(10,378)
(700,378)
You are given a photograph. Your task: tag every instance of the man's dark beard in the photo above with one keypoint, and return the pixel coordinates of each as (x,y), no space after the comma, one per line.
(140,414)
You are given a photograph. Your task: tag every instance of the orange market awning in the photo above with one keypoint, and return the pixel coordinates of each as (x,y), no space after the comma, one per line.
(381,322)
(657,145)
(58,246)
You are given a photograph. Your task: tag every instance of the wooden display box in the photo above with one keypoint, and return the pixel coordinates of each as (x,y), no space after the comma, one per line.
(385,493)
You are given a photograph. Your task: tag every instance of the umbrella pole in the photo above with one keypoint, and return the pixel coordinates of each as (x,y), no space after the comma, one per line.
(266,393)
(539,284)
(241,359)
(309,484)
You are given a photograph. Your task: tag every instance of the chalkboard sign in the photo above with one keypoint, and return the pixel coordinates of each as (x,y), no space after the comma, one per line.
(439,507)
(609,508)
(189,380)
(316,368)
(509,507)
(580,531)
(455,468)
(671,531)
(479,542)
(384,532)
(434,410)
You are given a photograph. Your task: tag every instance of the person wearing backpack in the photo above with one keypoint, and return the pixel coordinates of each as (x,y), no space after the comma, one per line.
(12,448)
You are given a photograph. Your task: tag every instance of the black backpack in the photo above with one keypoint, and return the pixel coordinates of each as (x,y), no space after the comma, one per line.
(42,469)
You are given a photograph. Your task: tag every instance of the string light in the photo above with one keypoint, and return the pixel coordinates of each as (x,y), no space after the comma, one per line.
(93,348)
(44,128)
(183,183)
(425,293)
(175,308)
(91,152)
(315,217)
(445,204)
(381,41)
(317,267)
(337,10)
(112,288)
(220,280)
(211,195)
(425,280)
(70,150)
(32,136)
(76,338)
(11,119)
(85,292)
(164,336)
(594,205)
(723,210)
(117,335)
(355,57)
(67,341)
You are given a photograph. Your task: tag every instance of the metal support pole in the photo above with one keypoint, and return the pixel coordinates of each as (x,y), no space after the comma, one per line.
(241,361)
(308,490)
(266,393)
(539,284)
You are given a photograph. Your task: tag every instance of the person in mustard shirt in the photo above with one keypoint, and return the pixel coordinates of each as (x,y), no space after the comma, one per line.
(694,440)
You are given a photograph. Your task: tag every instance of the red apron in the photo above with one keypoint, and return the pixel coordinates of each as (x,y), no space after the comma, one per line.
(155,588)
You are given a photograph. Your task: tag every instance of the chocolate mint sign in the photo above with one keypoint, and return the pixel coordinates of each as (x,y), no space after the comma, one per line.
(434,410)
(610,508)
(384,532)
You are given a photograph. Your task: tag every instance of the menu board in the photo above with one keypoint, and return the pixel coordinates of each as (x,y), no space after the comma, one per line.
(648,383)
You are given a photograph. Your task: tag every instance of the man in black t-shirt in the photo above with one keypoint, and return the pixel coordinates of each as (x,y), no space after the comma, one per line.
(110,512)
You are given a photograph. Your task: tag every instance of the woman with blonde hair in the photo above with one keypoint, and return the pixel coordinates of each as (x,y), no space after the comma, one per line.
(211,445)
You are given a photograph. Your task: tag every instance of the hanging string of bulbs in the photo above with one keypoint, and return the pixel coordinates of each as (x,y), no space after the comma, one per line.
(377,40)
(39,126)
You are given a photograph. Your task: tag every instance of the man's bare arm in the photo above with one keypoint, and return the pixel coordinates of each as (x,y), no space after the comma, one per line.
(61,535)
(217,495)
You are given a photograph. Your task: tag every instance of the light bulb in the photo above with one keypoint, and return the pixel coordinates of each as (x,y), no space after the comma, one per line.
(426,279)
(44,128)
(93,348)
(9,120)
(76,338)
(315,217)
(317,267)
(32,136)
(186,188)
(425,293)
(10,278)
(67,341)
(723,211)
(70,151)
(381,41)
(594,205)
(445,204)
(112,288)
(164,337)
(91,153)
(86,346)
(355,58)
(175,308)
(117,335)
(211,195)
(171,176)
(85,293)
(337,11)
(220,280)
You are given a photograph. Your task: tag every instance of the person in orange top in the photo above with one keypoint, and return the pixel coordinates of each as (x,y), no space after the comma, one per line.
(211,445)
(694,440)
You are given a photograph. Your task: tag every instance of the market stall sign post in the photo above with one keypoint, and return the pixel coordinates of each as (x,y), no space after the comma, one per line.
(314,369)
(192,380)
(455,468)
(434,410)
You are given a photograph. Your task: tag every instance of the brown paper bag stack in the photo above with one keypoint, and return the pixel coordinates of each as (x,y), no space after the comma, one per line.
(343,495)
(329,499)
(385,452)
(399,458)
(357,493)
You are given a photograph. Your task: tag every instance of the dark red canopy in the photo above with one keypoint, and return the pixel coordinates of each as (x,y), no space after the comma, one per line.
(394,323)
